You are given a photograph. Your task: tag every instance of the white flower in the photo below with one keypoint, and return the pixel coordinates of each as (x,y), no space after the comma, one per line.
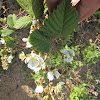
(57,74)
(10,59)
(28,45)
(2,41)
(39,89)
(24,39)
(35,62)
(58,88)
(22,56)
(34,22)
(50,75)
(69,54)
(66,53)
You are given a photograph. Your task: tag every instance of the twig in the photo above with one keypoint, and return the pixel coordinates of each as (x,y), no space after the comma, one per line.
(21,12)
(98,39)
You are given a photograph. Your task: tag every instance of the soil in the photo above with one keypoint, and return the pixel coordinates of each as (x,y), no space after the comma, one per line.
(14,83)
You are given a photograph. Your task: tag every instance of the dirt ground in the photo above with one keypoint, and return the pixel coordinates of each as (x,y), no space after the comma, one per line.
(14,83)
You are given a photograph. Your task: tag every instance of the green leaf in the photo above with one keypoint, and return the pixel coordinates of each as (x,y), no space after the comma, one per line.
(32,7)
(76,98)
(39,41)
(62,22)
(23,22)
(77,89)
(11,20)
(6,32)
(97,13)
(7,38)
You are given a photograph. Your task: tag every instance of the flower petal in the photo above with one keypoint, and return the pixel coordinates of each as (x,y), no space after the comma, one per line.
(57,74)
(24,39)
(65,59)
(50,76)
(70,59)
(41,63)
(10,59)
(61,83)
(33,64)
(72,52)
(33,54)
(36,69)
(65,51)
(58,88)
(68,56)
(28,45)
(39,89)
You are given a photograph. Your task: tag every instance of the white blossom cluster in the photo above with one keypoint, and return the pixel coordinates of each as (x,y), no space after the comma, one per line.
(33,61)
(36,63)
